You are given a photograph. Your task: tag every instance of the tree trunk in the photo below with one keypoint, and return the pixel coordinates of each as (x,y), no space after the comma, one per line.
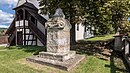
(72,36)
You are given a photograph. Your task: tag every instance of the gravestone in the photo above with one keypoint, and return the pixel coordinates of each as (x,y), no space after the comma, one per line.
(58,44)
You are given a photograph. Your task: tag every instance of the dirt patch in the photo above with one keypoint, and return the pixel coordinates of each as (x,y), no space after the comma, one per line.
(3,39)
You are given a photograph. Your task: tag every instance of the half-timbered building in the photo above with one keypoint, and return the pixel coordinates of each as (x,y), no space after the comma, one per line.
(28,26)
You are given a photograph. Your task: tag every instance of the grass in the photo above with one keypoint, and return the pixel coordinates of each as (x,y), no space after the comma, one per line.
(101,38)
(1,29)
(12,60)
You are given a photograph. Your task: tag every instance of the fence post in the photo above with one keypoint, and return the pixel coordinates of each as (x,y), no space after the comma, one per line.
(118,43)
(126,46)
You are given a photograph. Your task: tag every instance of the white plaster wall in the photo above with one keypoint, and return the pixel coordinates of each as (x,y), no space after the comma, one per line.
(21,23)
(30,37)
(30,43)
(88,34)
(80,32)
(27,30)
(19,29)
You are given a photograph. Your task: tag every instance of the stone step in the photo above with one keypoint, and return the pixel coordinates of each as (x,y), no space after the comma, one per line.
(66,65)
(57,56)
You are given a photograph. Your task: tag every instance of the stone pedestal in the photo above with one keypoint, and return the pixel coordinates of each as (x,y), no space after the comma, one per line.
(58,56)
(64,65)
(58,40)
(58,44)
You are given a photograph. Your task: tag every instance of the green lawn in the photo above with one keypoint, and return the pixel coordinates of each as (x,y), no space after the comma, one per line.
(12,60)
(1,29)
(101,38)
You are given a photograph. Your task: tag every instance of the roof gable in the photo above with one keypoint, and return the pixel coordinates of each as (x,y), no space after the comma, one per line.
(28,5)
(34,2)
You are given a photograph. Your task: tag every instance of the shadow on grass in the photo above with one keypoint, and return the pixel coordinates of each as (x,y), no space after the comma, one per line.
(112,66)
(102,50)
(32,49)
(92,47)
(125,59)
(95,48)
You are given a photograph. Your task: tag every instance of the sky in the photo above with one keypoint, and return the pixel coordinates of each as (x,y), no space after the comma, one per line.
(6,12)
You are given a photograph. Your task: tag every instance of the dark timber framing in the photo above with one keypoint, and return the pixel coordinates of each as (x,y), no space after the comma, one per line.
(27,12)
(24,26)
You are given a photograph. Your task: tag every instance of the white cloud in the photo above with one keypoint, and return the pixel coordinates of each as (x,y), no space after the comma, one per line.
(5,18)
(10,2)
(3,26)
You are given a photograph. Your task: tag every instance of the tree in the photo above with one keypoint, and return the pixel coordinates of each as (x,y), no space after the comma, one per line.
(95,16)
(118,11)
(86,11)
(105,16)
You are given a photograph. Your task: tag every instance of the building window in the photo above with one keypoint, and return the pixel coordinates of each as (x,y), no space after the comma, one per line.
(77,27)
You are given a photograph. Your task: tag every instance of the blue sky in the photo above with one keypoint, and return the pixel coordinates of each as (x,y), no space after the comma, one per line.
(6,12)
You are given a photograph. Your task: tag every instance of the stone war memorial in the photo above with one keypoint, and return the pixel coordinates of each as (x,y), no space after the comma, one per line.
(58,53)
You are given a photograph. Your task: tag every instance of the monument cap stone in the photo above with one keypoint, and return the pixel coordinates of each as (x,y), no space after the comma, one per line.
(58,21)
(59,13)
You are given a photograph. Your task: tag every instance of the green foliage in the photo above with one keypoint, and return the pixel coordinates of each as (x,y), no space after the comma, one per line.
(105,16)
(118,11)
(71,8)
(1,29)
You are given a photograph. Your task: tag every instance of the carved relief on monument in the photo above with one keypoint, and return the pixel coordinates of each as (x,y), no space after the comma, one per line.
(58,33)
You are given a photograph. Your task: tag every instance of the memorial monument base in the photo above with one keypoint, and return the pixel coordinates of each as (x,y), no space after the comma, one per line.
(58,56)
(58,44)
(64,65)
